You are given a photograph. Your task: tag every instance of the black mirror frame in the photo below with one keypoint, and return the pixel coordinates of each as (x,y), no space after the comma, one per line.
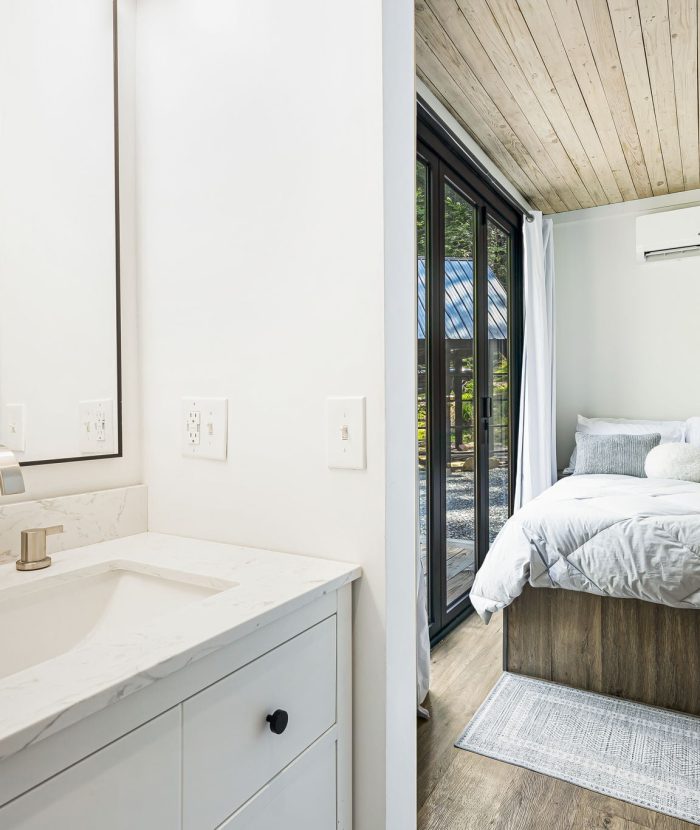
(117,251)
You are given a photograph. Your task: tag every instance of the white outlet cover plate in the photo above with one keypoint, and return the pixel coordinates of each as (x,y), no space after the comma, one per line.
(213,428)
(345,438)
(13,427)
(96,427)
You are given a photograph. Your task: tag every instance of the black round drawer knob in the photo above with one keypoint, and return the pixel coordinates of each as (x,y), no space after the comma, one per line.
(278,721)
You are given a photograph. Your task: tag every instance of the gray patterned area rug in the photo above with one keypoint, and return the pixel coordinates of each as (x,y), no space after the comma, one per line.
(647,756)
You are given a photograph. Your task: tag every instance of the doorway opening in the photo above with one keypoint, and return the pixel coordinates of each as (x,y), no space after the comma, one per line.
(469,361)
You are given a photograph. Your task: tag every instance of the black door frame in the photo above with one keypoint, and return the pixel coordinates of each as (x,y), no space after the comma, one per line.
(445,161)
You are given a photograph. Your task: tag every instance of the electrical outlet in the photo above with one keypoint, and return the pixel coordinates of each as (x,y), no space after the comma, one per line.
(205,428)
(194,421)
(13,429)
(96,427)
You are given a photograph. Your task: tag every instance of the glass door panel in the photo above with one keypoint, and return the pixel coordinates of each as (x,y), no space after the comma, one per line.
(467,249)
(460,439)
(423,366)
(499,263)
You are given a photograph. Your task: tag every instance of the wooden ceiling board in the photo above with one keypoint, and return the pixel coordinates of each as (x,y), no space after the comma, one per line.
(683,20)
(546,36)
(657,45)
(438,42)
(575,40)
(624,15)
(584,102)
(596,20)
(458,101)
(445,16)
(500,56)
(513,25)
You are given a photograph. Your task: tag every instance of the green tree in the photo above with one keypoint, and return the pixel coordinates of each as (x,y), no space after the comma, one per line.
(421,208)
(460,218)
(459,226)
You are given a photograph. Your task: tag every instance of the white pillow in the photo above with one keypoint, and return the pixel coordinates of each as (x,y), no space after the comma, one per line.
(670,431)
(680,461)
(692,430)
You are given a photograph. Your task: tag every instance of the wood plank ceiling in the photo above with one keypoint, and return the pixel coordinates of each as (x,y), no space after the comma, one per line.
(578,102)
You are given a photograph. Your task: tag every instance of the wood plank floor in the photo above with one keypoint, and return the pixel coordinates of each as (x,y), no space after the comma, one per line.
(460,567)
(459,790)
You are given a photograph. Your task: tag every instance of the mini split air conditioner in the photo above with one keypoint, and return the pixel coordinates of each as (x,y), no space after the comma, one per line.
(670,234)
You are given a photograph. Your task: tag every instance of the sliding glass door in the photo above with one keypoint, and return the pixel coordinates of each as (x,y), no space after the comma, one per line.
(460,426)
(500,273)
(467,259)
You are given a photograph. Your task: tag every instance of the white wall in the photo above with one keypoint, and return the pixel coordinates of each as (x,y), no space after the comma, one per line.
(627,332)
(275,170)
(83,476)
(400,425)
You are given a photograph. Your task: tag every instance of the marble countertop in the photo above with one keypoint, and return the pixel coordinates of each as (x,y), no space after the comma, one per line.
(50,696)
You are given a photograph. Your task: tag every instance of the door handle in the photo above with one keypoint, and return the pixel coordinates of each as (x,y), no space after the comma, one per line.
(486,413)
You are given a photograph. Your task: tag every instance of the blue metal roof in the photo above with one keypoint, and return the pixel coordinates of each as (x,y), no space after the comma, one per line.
(459,302)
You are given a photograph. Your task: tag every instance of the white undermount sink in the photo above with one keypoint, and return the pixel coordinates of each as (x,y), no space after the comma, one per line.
(60,613)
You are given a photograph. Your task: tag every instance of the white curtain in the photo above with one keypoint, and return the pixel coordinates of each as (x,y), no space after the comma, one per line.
(422,636)
(537,462)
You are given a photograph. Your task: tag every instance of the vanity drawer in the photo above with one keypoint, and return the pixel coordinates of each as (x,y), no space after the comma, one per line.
(229,750)
(303,797)
(133,782)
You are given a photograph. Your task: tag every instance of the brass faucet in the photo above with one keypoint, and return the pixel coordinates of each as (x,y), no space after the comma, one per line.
(33,553)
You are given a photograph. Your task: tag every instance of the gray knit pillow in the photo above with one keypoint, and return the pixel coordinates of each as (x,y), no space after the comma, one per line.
(613,454)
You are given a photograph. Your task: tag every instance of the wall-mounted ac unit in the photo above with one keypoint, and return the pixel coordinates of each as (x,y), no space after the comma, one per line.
(670,234)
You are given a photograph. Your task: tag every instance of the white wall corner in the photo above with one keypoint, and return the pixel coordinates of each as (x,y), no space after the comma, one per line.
(400,316)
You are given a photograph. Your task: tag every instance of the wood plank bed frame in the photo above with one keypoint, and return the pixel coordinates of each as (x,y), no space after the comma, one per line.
(623,647)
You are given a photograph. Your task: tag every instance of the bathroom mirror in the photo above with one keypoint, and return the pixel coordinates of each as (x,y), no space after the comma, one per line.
(59,230)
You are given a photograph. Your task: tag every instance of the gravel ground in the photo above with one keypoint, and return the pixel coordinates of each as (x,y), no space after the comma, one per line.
(460,503)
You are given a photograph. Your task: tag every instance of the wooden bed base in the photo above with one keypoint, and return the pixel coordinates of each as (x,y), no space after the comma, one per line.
(622,647)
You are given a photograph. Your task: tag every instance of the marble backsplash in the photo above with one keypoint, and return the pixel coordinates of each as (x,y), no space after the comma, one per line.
(86,518)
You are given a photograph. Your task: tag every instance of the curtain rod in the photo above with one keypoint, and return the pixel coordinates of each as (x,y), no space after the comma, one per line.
(474,161)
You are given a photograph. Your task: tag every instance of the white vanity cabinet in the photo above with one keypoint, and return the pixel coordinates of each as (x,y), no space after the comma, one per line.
(133,782)
(304,795)
(229,750)
(195,750)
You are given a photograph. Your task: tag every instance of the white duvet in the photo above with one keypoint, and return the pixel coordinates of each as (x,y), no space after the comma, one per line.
(615,536)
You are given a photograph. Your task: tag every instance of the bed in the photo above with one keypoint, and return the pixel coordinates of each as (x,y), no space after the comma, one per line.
(600,579)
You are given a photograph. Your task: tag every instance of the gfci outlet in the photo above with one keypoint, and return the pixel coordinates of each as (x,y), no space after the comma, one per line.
(96,427)
(205,428)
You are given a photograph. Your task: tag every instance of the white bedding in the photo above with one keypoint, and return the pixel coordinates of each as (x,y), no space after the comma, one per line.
(610,535)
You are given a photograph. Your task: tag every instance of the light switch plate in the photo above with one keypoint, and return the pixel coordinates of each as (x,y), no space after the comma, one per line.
(96,427)
(345,441)
(13,427)
(205,428)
